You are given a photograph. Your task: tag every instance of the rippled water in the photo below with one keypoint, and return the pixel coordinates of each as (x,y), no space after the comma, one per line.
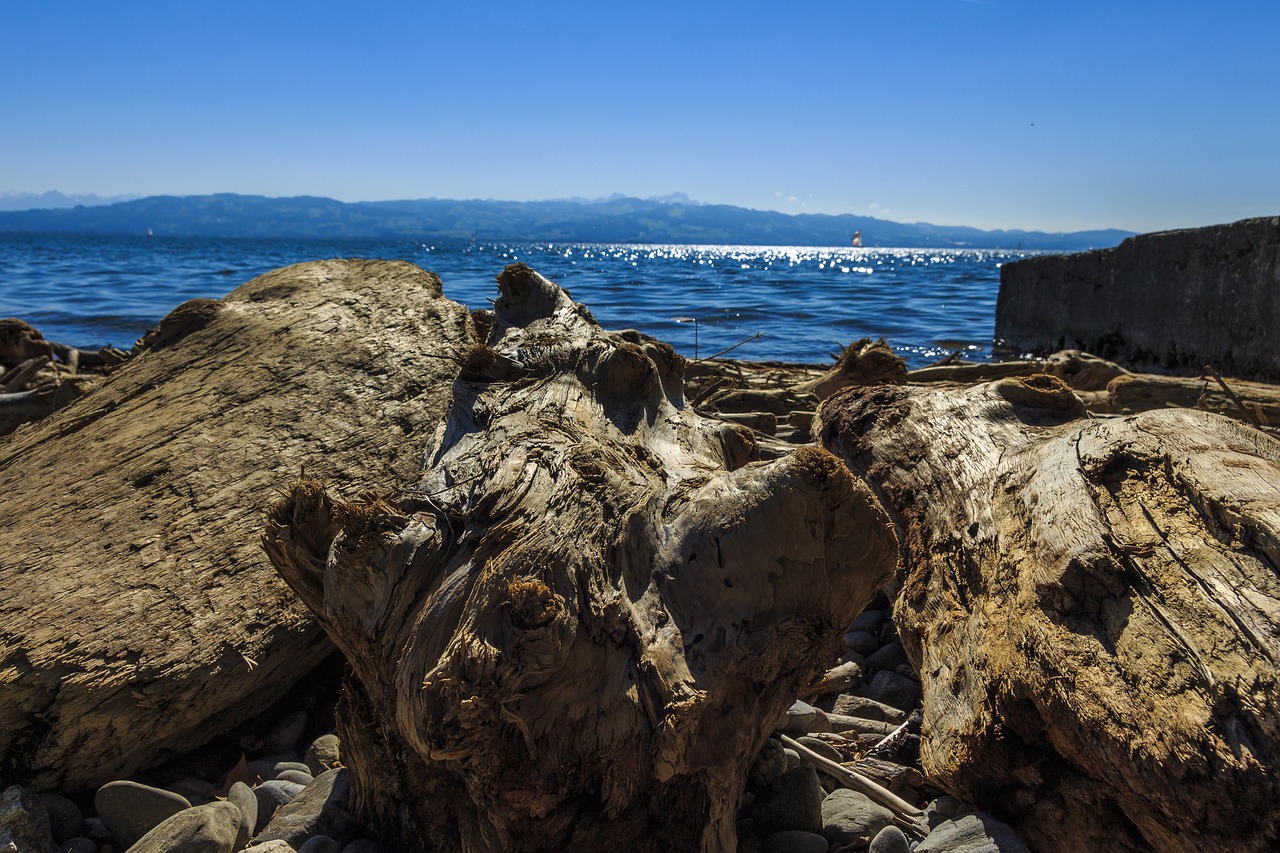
(807,302)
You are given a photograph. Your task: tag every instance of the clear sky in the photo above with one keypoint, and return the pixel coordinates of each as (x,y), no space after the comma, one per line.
(993,113)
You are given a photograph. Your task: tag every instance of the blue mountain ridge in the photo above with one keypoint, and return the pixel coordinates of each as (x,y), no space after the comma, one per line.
(612,220)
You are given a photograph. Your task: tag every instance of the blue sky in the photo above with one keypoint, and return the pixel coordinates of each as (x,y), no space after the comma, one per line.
(992,113)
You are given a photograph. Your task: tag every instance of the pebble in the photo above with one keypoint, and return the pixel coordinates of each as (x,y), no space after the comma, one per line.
(793,758)
(792,801)
(243,797)
(211,828)
(851,817)
(283,766)
(800,719)
(795,841)
(94,829)
(79,844)
(851,705)
(890,840)
(271,796)
(862,642)
(893,689)
(870,621)
(323,754)
(321,809)
(269,847)
(65,818)
(320,844)
(821,747)
(972,833)
(944,808)
(130,809)
(298,777)
(24,821)
(890,656)
(769,764)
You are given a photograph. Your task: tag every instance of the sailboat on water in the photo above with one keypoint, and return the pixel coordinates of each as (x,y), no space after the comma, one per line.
(856,241)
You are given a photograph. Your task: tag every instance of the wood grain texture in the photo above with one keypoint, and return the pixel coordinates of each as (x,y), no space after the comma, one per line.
(1093,607)
(578,629)
(140,617)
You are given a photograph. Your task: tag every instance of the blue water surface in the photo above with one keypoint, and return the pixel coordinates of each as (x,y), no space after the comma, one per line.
(90,290)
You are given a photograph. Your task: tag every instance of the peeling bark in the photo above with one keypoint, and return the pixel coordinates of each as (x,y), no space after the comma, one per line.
(1093,607)
(579,628)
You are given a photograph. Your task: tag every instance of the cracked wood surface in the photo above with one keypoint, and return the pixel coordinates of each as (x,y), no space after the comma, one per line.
(140,617)
(1092,604)
(578,630)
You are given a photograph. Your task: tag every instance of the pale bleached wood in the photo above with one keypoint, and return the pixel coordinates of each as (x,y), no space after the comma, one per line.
(139,617)
(578,630)
(1093,607)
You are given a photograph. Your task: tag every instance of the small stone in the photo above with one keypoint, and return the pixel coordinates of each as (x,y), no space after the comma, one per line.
(65,817)
(852,818)
(769,764)
(271,796)
(320,844)
(868,620)
(795,841)
(890,840)
(269,847)
(299,777)
(211,828)
(862,642)
(890,688)
(792,801)
(131,810)
(944,808)
(244,799)
(367,845)
(323,754)
(285,735)
(889,657)
(793,758)
(821,747)
(282,766)
(972,833)
(79,844)
(799,717)
(24,821)
(850,705)
(321,809)
(94,829)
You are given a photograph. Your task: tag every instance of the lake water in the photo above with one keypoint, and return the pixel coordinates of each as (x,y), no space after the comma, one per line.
(90,290)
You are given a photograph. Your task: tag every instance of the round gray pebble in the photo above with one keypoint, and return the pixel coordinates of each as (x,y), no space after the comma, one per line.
(323,754)
(271,796)
(300,777)
(130,809)
(320,844)
(795,841)
(65,817)
(890,840)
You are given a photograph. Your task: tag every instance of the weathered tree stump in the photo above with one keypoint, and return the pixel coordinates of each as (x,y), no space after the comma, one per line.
(577,631)
(1092,604)
(139,617)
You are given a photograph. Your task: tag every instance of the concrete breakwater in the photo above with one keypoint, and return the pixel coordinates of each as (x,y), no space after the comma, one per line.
(1171,301)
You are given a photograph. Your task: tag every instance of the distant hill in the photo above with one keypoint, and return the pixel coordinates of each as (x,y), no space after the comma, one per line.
(671,219)
(10,200)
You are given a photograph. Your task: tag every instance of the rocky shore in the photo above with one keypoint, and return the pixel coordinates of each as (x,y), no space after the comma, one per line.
(912,732)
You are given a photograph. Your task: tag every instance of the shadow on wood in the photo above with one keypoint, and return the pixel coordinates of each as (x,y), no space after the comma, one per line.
(580,627)
(1093,607)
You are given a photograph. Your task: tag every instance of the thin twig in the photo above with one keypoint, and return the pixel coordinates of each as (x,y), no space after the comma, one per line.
(730,349)
(1248,415)
(857,782)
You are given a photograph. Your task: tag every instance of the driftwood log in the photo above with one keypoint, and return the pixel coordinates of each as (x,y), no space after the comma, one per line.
(139,616)
(1093,607)
(578,630)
